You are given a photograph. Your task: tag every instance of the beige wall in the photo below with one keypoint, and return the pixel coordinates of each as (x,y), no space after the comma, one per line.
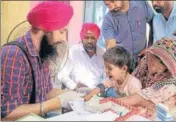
(76,22)
(12,13)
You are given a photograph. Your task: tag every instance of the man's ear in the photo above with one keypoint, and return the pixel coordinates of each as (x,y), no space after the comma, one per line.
(124,68)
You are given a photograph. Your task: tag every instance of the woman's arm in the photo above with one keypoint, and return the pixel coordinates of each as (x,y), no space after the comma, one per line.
(135,100)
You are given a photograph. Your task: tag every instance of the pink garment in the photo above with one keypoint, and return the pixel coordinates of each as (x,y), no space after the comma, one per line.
(90,27)
(165,50)
(131,86)
(50,15)
(160,89)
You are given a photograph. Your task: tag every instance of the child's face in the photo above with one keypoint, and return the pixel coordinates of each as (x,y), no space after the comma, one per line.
(115,73)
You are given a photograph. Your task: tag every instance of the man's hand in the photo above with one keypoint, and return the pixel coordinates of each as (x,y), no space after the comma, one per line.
(84,90)
(108,84)
(53,93)
(81,85)
(68,96)
(142,53)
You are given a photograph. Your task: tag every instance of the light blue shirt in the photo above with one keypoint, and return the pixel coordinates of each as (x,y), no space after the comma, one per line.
(129,28)
(162,27)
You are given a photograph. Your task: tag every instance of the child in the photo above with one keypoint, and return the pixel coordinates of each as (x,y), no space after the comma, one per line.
(117,63)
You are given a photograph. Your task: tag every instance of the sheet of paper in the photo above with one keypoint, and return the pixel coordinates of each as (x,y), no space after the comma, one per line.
(77,105)
(71,116)
(106,116)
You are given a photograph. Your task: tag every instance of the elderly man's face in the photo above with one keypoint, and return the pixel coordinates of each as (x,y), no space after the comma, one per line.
(160,5)
(54,44)
(115,6)
(89,41)
(58,36)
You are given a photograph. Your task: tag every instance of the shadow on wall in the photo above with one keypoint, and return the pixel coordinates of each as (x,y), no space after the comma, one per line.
(8,17)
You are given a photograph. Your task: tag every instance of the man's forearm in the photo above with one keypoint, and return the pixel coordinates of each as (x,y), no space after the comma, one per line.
(53,93)
(25,109)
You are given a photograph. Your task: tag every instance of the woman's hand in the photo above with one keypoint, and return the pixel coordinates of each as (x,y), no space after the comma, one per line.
(81,85)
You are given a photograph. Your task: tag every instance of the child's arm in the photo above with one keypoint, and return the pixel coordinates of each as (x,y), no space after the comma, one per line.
(100,89)
(95,91)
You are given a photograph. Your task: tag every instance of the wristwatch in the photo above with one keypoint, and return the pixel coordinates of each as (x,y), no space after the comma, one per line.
(102,90)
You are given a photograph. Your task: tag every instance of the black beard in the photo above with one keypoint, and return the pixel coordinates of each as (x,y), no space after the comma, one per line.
(46,50)
(120,8)
(158,9)
(89,47)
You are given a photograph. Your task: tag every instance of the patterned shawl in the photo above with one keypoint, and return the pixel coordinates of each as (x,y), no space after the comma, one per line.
(165,49)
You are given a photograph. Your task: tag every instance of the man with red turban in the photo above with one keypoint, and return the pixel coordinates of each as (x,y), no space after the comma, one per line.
(84,69)
(25,80)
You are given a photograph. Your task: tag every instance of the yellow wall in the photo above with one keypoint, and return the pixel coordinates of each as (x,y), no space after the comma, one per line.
(12,13)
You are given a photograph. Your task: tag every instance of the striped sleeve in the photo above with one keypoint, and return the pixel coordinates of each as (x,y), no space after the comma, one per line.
(12,78)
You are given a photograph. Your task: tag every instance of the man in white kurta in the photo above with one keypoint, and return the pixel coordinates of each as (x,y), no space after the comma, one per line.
(85,65)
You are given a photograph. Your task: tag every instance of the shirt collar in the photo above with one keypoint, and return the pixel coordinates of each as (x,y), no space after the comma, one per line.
(30,46)
(133,4)
(173,13)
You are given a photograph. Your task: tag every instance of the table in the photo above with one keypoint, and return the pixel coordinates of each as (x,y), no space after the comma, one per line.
(70,116)
(82,116)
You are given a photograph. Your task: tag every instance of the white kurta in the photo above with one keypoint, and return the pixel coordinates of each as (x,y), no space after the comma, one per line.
(80,68)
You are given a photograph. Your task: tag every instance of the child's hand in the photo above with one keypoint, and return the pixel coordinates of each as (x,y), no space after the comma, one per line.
(91,94)
(108,84)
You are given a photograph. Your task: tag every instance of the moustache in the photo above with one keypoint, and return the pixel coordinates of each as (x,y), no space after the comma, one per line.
(48,51)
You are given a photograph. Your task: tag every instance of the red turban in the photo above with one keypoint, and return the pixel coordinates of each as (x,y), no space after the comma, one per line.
(90,27)
(50,15)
